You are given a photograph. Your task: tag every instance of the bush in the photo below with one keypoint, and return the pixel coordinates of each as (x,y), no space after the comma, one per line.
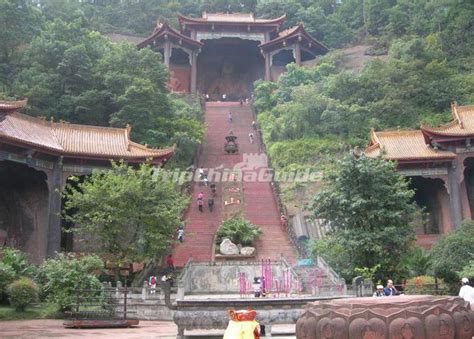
(62,276)
(22,293)
(425,284)
(452,253)
(239,231)
(7,275)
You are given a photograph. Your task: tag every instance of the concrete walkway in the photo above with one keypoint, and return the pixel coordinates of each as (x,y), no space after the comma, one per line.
(48,328)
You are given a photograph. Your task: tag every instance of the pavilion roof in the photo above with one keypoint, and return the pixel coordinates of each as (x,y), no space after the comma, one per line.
(83,141)
(229,18)
(462,124)
(406,145)
(165,31)
(11,106)
(295,32)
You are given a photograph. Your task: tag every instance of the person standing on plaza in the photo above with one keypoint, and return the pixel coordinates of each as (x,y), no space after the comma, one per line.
(390,290)
(152,284)
(467,292)
(251,137)
(230,117)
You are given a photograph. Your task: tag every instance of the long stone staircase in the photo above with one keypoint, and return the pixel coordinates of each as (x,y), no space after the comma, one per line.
(259,204)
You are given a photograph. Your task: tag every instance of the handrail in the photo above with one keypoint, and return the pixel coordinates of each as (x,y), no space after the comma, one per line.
(333,275)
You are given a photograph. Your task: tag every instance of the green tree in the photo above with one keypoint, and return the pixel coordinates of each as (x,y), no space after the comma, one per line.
(131,213)
(368,205)
(453,252)
(19,21)
(60,277)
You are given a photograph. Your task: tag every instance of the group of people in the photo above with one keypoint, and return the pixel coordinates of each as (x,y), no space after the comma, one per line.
(200,202)
(389,290)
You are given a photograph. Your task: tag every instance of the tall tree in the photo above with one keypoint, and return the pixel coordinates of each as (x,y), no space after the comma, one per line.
(368,205)
(19,21)
(131,213)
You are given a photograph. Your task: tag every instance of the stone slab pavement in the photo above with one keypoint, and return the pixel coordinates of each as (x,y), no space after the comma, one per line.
(48,328)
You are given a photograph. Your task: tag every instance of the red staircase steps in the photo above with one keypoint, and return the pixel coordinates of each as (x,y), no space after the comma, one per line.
(259,206)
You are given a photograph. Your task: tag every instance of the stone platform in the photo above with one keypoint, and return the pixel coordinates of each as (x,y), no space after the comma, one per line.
(403,317)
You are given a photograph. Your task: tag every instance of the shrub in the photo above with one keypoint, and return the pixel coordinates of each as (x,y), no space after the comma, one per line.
(425,284)
(22,292)
(7,275)
(62,276)
(239,231)
(453,252)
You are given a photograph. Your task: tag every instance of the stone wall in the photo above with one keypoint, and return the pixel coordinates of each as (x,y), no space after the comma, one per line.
(223,277)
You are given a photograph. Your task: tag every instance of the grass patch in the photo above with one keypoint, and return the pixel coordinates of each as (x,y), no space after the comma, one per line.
(39,311)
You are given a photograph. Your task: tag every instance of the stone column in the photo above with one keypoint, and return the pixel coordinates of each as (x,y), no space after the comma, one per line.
(267,57)
(454,195)
(466,208)
(297,51)
(194,71)
(54,208)
(167,53)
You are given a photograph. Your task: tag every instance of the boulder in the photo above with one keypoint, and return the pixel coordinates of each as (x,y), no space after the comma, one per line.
(227,247)
(248,251)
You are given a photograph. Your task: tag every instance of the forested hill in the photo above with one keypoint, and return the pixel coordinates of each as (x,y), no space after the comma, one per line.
(53,52)
(428,64)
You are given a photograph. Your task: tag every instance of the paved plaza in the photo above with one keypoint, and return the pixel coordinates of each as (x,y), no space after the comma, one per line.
(48,328)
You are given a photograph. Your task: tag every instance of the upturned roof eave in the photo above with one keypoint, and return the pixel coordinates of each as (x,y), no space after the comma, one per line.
(183,19)
(80,155)
(300,31)
(164,29)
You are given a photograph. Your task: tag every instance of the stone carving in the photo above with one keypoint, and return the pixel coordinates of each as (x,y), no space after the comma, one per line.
(227,247)
(403,317)
(248,251)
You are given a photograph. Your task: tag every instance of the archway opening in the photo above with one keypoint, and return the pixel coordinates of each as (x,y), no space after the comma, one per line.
(229,66)
(24,216)
(469,179)
(432,198)
(283,58)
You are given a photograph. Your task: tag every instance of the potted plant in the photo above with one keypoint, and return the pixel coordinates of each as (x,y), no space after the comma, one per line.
(239,231)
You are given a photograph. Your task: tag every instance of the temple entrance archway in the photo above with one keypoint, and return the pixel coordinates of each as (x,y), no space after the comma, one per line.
(24,215)
(229,66)
(469,180)
(432,197)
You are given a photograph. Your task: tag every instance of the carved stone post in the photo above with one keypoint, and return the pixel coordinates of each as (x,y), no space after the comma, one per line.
(454,196)
(297,51)
(194,71)
(54,208)
(167,53)
(267,57)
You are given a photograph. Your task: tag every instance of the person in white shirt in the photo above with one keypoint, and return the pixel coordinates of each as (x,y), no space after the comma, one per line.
(467,292)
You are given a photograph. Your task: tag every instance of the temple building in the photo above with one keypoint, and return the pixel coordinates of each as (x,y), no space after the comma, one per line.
(222,53)
(36,159)
(440,163)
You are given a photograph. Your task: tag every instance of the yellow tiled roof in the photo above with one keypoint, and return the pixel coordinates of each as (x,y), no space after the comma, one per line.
(462,124)
(7,106)
(75,140)
(245,18)
(403,145)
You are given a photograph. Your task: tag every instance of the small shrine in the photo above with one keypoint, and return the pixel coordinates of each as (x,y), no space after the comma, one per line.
(36,159)
(222,54)
(440,164)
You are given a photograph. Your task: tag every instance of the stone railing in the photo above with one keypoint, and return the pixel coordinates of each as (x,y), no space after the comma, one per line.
(330,273)
(183,279)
